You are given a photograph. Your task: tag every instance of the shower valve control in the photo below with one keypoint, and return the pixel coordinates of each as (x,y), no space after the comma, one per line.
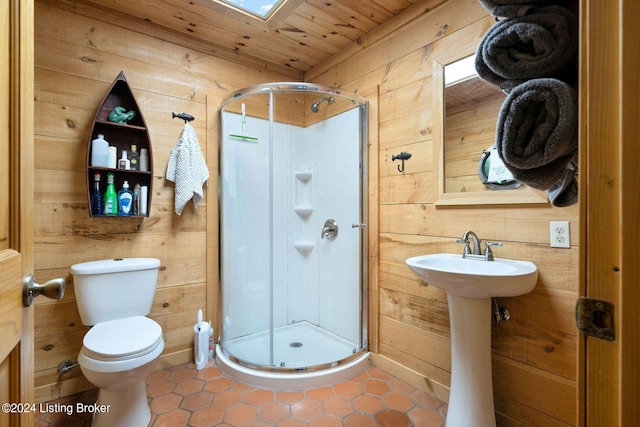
(329,230)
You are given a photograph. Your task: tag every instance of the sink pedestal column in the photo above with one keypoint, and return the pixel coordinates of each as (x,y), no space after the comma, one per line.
(471,394)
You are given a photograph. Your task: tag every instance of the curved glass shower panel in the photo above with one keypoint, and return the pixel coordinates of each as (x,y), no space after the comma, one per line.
(292,242)
(245,232)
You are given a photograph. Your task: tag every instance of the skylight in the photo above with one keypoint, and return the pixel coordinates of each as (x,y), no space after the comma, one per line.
(260,8)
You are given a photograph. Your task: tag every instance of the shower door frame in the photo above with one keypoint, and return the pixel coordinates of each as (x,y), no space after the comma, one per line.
(362,105)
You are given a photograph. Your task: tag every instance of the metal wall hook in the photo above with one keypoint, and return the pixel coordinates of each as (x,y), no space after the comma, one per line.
(184,116)
(402,156)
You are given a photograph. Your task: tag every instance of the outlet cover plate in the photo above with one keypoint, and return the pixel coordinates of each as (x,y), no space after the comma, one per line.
(559,234)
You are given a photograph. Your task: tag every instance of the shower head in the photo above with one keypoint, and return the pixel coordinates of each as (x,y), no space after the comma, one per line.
(316,105)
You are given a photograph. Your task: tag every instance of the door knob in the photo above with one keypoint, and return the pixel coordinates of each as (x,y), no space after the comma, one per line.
(53,289)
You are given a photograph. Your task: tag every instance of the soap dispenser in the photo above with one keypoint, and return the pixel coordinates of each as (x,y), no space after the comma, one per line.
(125,200)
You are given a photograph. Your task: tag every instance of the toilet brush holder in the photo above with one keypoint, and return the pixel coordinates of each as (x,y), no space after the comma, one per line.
(201,344)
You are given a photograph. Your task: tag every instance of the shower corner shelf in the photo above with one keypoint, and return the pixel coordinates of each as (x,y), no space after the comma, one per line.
(303,210)
(303,247)
(303,175)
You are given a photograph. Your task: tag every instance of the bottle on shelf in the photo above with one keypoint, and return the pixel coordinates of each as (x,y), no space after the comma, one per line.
(124,162)
(110,197)
(97,202)
(136,199)
(125,200)
(99,151)
(144,198)
(144,160)
(134,158)
(113,157)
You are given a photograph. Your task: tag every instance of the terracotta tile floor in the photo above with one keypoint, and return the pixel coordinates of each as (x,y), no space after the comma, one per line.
(181,396)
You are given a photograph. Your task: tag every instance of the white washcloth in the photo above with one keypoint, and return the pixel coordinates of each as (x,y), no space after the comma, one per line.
(187,169)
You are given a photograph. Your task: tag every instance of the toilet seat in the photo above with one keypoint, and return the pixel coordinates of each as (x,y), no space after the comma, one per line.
(122,339)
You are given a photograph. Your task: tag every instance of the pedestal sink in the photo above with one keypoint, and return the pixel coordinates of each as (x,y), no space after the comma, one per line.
(470,284)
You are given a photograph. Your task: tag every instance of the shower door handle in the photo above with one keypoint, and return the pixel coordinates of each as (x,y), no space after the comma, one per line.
(329,230)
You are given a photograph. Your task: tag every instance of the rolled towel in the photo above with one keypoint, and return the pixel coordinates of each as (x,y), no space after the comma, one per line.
(565,191)
(541,43)
(537,131)
(513,8)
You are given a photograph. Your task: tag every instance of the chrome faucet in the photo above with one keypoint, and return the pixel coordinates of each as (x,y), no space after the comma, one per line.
(476,254)
(466,242)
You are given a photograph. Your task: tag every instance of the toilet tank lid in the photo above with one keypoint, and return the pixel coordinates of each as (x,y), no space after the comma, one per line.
(117,265)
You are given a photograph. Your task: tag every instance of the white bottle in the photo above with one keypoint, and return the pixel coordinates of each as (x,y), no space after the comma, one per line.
(142,206)
(144,160)
(100,152)
(124,162)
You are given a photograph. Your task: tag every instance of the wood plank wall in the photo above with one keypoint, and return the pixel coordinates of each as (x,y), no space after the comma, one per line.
(76,60)
(534,354)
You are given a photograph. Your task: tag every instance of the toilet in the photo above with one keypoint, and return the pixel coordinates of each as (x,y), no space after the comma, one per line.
(123,346)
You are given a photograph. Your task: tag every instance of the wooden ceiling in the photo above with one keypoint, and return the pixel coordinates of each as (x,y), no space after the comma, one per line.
(298,36)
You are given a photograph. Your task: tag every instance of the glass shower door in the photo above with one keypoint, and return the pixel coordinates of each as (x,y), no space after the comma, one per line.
(339,203)
(245,233)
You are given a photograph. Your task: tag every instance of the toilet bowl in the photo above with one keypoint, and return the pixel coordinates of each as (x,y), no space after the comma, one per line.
(117,356)
(123,346)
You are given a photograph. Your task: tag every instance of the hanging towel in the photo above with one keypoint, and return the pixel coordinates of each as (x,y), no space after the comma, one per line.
(542,43)
(513,8)
(537,129)
(187,169)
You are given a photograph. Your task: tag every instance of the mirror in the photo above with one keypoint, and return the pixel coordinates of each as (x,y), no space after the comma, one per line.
(466,110)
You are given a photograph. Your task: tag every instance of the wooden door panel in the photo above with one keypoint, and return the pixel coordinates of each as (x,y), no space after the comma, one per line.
(16,211)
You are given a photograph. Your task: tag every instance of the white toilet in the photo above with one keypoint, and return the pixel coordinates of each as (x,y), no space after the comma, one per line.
(123,346)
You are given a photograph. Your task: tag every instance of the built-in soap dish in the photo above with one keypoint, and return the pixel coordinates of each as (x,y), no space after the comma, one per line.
(303,247)
(303,210)
(304,175)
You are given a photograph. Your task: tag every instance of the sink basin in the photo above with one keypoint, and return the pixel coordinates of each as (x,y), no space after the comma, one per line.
(474,278)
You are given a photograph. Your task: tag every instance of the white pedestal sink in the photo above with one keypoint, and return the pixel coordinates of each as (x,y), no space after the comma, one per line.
(470,284)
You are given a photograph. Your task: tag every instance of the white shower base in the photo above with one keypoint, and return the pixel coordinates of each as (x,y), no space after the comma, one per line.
(301,347)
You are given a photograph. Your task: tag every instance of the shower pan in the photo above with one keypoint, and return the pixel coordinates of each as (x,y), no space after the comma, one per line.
(293,237)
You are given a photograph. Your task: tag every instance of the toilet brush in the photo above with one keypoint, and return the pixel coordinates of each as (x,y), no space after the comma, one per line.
(200,342)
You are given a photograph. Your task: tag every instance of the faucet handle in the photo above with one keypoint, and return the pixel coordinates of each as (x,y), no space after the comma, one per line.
(488,253)
(467,250)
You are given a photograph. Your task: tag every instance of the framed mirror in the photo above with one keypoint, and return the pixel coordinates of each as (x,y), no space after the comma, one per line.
(466,111)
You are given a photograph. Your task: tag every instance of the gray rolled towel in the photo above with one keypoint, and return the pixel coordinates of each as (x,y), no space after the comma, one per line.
(565,191)
(513,8)
(541,43)
(537,131)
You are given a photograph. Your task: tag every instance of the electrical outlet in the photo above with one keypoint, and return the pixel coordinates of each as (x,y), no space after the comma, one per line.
(559,234)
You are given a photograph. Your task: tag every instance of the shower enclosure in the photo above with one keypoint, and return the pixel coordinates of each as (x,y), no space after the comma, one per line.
(293,235)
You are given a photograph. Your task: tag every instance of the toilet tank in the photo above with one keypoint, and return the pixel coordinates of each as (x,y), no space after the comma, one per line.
(114,288)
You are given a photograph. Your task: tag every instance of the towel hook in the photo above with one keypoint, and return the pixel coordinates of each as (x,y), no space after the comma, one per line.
(184,116)
(402,157)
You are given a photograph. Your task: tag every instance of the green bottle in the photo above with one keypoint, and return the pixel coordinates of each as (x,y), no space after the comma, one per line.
(110,197)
